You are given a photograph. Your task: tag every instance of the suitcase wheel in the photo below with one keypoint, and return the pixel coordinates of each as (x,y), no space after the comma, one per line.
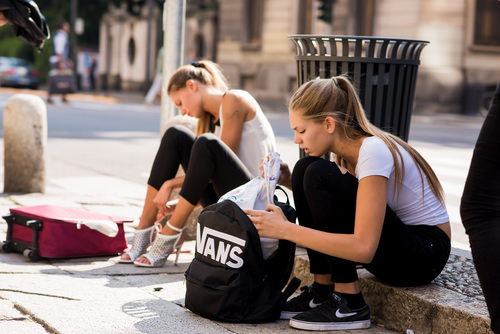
(31,254)
(7,247)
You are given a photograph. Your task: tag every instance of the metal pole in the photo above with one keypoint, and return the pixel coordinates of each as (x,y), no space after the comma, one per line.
(149,42)
(74,49)
(174,15)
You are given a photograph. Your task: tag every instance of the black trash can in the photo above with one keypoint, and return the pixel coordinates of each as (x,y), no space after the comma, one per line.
(384,71)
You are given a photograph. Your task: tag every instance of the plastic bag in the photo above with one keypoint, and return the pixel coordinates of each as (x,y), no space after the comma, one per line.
(257,193)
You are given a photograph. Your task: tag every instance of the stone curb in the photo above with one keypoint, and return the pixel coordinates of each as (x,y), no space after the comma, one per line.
(426,309)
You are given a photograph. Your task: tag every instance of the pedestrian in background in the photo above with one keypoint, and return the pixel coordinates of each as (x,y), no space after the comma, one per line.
(480,209)
(379,204)
(60,59)
(92,72)
(233,135)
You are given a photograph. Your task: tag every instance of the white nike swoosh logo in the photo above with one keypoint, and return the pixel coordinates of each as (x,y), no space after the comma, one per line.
(339,314)
(312,304)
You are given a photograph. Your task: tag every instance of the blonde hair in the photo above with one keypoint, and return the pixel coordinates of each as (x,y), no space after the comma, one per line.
(207,73)
(337,98)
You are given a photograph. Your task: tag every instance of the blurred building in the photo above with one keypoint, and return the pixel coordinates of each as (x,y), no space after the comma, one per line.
(248,38)
(128,41)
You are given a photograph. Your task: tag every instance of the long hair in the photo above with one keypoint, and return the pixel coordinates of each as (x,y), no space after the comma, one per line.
(207,73)
(337,98)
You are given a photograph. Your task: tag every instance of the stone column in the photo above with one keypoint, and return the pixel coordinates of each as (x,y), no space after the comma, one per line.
(25,139)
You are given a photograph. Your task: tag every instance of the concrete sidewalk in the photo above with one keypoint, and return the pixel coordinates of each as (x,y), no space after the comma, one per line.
(100,295)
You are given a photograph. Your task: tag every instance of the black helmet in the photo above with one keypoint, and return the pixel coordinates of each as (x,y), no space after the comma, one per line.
(26,20)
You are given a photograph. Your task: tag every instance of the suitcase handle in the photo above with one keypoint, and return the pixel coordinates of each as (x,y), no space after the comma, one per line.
(10,245)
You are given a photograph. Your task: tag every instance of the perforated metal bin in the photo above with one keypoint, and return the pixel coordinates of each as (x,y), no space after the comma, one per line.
(384,71)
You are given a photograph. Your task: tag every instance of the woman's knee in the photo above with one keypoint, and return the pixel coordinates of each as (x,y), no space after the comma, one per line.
(175,133)
(320,172)
(205,142)
(300,169)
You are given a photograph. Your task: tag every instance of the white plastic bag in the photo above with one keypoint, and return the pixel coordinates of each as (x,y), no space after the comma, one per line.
(248,195)
(257,193)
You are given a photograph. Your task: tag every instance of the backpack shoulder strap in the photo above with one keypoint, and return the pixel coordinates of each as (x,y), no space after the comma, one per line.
(280,264)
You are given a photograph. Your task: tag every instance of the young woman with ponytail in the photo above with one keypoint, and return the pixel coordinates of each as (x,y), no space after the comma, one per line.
(213,164)
(378,204)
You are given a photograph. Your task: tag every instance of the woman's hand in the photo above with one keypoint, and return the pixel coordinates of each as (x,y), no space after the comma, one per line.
(270,223)
(261,167)
(161,199)
(285,176)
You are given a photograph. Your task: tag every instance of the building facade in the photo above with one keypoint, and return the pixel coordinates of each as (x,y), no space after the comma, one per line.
(459,67)
(128,43)
(249,39)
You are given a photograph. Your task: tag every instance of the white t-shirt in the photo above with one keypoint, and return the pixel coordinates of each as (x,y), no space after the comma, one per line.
(375,158)
(60,40)
(257,136)
(60,43)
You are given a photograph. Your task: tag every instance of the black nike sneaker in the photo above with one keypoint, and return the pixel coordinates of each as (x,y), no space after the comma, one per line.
(333,314)
(307,300)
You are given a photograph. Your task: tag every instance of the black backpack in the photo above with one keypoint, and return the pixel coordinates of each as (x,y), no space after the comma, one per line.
(229,280)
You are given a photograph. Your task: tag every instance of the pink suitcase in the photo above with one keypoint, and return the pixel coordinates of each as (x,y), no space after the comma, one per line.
(49,231)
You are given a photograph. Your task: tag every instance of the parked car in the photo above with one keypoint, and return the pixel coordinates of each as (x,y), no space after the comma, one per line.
(17,72)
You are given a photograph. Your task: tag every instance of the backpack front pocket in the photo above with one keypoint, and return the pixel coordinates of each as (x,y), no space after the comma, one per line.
(215,292)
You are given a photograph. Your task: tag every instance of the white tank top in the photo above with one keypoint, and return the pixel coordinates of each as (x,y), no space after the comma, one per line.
(257,136)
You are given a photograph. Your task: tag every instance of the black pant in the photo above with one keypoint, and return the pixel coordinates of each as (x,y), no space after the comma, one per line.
(480,209)
(211,167)
(325,200)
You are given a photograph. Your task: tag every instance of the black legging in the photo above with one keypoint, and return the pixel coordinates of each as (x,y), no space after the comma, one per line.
(211,167)
(325,199)
(480,209)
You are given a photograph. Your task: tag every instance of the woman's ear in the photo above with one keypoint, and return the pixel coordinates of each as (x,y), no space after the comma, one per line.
(330,124)
(192,85)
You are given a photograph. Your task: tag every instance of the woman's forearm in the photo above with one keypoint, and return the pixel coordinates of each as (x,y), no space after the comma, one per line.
(176,182)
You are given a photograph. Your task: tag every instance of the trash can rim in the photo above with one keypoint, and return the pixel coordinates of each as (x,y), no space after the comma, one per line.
(357,37)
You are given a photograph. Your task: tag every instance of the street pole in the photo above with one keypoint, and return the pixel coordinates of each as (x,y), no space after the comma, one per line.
(174,15)
(74,53)
(149,42)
